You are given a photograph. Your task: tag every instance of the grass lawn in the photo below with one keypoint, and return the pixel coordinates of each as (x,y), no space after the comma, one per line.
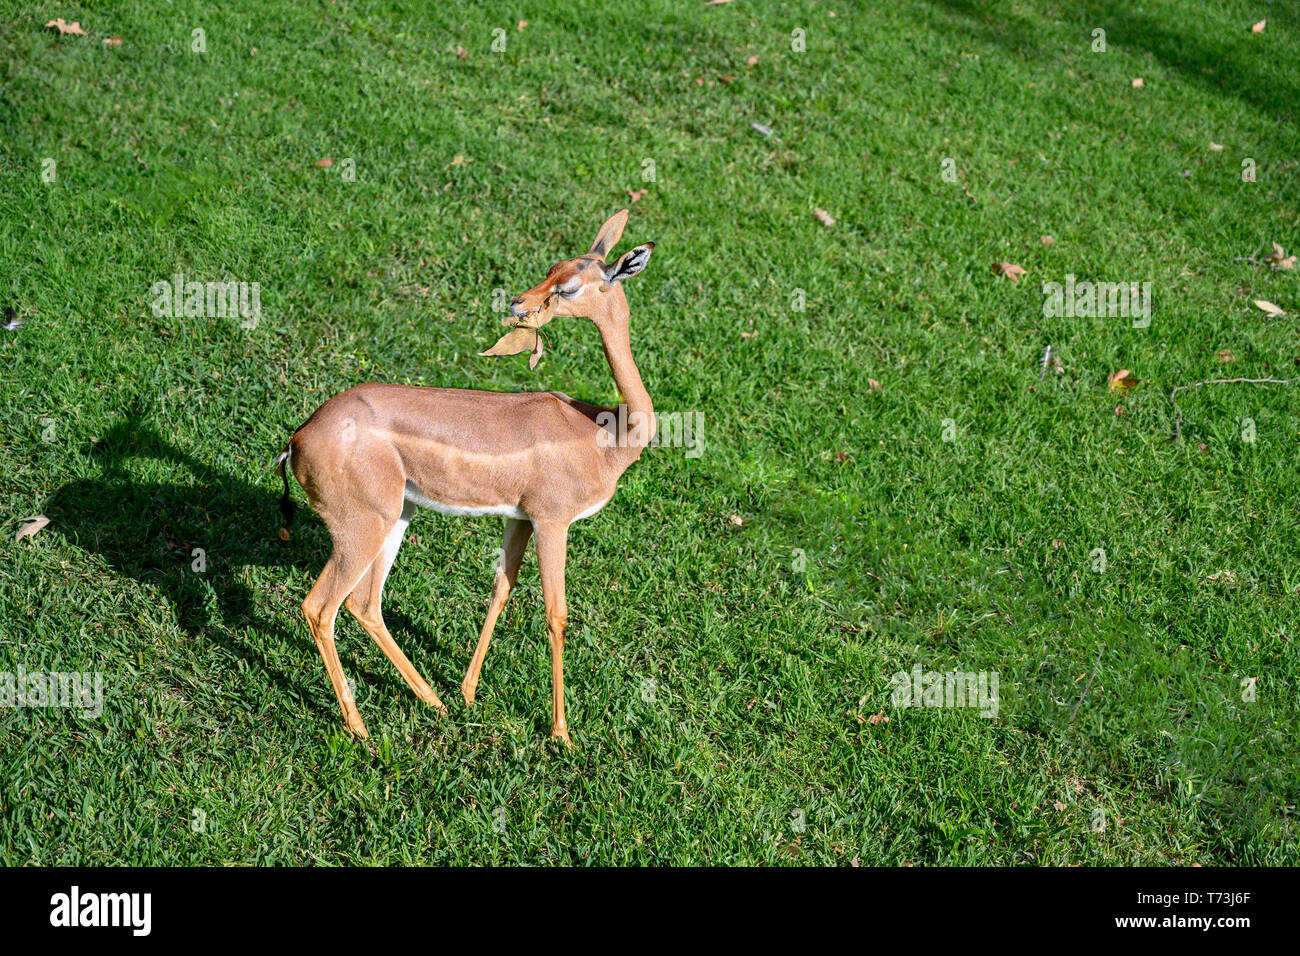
(889,477)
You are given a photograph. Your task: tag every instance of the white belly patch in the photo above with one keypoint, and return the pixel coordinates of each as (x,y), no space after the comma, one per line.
(415,496)
(592,510)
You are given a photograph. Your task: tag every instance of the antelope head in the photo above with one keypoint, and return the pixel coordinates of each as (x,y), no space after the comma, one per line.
(585,287)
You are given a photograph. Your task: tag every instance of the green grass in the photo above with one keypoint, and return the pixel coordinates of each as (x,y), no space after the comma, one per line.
(975,553)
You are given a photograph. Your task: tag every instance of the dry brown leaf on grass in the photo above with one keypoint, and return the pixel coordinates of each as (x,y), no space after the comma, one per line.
(64,27)
(1058,806)
(34,524)
(1279,259)
(1216,147)
(873,385)
(326,162)
(878,718)
(1137,83)
(461,52)
(714,3)
(1258,27)
(824,217)
(1122,381)
(752,61)
(1265,306)
(1047,240)
(635,195)
(1008,269)
(522,24)
(1225,355)
(737,520)
(112,41)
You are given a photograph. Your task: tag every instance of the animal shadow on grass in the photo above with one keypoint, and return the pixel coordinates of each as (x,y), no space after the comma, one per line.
(148,530)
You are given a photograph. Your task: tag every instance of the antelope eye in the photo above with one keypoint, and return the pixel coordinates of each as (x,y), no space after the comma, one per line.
(571,288)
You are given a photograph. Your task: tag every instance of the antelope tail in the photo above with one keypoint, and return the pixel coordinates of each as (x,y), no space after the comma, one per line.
(286,501)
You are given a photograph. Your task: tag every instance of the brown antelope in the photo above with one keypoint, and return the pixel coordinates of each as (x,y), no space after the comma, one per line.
(370,456)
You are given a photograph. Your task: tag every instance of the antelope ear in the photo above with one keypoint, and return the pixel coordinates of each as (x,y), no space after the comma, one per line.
(521,339)
(609,234)
(629,264)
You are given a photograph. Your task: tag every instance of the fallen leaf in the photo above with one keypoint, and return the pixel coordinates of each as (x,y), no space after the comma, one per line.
(1122,381)
(753,60)
(1225,355)
(327,161)
(112,41)
(457,160)
(461,51)
(522,338)
(728,78)
(1008,269)
(635,195)
(1056,544)
(872,385)
(1265,306)
(1279,259)
(64,27)
(824,216)
(522,24)
(1137,83)
(760,128)
(34,524)
(1216,147)
(841,456)
(1226,578)
(748,335)
(714,3)
(737,520)
(1046,240)
(1058,806)
(879,718)
(1258,27)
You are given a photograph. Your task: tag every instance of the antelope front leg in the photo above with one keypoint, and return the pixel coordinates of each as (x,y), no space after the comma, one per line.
(552,544)
(512,555)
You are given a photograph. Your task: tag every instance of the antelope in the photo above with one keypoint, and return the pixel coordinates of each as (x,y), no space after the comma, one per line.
(372,455)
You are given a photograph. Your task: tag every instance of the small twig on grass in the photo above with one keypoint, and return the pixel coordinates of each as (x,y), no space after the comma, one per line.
(1178,412)
(1088,686)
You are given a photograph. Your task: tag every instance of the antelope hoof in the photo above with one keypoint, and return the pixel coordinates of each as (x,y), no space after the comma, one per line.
(358,729)
(561,735)
(467,692)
